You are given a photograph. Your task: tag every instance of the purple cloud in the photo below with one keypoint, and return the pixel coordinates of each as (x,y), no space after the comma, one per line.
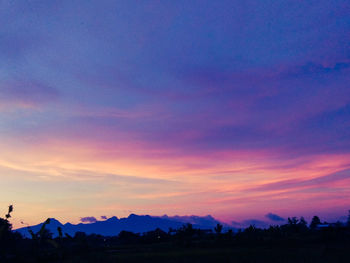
(88,219)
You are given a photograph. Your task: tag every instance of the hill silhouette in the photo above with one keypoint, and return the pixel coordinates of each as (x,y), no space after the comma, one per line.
(133,223)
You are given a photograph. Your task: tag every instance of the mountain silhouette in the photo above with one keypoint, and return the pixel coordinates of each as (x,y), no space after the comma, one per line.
(133,223)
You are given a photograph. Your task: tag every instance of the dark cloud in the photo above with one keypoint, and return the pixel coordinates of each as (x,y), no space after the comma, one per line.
(88,219)
(274,217)
(103,217)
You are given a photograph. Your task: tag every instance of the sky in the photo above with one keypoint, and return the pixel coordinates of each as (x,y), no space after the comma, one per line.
(237,109)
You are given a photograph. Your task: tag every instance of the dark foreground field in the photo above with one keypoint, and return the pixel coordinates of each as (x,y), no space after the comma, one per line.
(331,246)
(233,254)
(290,243)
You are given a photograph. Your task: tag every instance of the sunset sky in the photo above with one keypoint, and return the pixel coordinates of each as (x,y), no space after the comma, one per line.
(230,108)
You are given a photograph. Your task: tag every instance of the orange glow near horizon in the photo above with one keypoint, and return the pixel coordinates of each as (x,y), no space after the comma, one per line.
(73,182)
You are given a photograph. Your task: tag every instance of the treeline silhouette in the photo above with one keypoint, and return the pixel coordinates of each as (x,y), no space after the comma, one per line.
(295,241)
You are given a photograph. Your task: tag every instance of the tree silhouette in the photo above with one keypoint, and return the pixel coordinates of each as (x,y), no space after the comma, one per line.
(292,221)
(5,226)
(315,222)
(8,215)
(218,229)
(302,221)
(59,230)
(302,225)
(43,235)
(5,229)
(8,239)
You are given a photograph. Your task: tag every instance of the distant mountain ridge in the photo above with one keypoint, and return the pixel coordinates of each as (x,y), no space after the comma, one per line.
(195,220)
(133,223)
